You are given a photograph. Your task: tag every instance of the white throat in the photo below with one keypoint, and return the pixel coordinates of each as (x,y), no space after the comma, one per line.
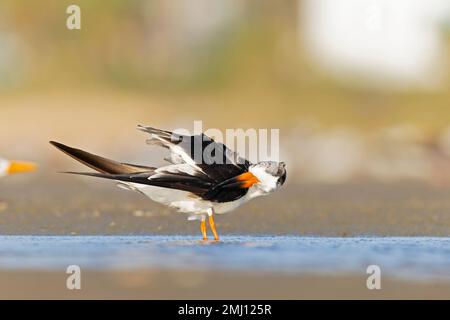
(267,182)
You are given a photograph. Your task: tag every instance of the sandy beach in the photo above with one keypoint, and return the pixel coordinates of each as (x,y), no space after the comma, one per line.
(160,284)
(73,208)
(352,97)
(63,204)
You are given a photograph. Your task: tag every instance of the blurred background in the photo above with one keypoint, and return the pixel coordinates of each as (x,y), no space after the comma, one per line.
(358,88)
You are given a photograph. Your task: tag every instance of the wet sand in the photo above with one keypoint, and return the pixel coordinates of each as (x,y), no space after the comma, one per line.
(63,205)
(238,267)
(406,258)
(56,204)
(162,284)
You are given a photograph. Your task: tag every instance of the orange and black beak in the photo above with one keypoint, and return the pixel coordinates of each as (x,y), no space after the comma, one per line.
(246,180)
(20,166)
(242,181)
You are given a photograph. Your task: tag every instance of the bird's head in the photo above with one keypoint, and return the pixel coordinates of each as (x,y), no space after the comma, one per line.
(270,174)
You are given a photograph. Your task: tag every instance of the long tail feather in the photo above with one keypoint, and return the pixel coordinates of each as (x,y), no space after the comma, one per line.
(98,163)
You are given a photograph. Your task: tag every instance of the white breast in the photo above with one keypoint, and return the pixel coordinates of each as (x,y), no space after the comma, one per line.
(187,202)
(224,207)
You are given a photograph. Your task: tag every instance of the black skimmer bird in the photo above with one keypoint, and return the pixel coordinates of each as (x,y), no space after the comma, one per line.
(9,167)
(213,181)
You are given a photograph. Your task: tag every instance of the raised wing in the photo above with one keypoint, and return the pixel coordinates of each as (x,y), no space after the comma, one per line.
(214,177)
(199,151)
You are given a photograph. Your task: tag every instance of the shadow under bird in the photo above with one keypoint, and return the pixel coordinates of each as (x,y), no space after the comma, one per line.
(203,178)
(8,167)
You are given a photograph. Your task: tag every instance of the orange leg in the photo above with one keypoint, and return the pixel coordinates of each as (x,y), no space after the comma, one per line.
(213,227)
(203,228)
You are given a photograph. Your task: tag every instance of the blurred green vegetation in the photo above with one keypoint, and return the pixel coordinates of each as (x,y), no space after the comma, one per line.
(254,61)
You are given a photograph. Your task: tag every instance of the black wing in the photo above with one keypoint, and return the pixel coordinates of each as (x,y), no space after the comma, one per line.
(199,184)
(212,182)
(213,158)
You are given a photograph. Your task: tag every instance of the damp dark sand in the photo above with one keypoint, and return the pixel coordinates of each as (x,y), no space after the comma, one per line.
(59,204)
(306,241)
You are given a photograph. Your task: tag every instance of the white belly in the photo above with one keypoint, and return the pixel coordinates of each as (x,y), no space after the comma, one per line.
(225,207)
(187,202)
